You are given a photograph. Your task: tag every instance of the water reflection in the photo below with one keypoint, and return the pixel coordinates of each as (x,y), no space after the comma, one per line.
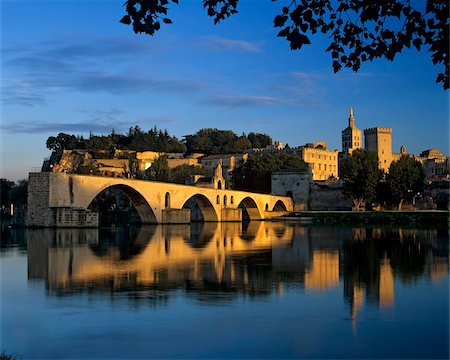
(214,261)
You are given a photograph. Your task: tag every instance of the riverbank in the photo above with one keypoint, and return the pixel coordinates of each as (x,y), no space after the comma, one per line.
(425,217)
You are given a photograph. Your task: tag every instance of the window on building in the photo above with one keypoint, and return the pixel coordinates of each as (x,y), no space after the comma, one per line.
(224,200)
(231,199)
(325,166)
(319,166)
(218,199)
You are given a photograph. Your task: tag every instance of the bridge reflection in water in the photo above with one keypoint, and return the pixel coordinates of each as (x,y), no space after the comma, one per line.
(216,261)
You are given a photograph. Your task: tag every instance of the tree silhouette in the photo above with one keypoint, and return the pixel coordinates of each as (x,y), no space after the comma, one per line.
(405,179)
(360,30)
(361,175)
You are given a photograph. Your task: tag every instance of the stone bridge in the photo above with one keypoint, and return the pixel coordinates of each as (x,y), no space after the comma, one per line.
(61,199)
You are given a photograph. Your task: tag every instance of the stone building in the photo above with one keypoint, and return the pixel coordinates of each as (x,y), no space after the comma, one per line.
(322,162)
(379,139)
(309,195)
(217,181)
(293,184)
(179,159)
(228,162)
(351,136)
(435,163)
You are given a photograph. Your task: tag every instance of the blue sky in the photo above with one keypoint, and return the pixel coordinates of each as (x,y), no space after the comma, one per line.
(70,66)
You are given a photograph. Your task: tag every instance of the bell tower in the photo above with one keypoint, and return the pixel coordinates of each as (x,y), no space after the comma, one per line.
(351,136)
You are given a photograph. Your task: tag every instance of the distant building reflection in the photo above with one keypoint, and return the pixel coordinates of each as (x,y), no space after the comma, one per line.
(217,261)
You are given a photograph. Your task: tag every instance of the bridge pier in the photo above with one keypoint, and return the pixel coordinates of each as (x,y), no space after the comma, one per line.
(175,216)
(228,214)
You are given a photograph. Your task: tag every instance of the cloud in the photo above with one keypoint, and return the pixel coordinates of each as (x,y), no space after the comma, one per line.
(214,43)
(108,65)
(245,101)
(307,88)
(123,84)
(14,95)
(56,127)
(97,121)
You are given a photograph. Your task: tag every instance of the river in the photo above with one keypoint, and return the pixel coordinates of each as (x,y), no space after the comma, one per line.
(230,290)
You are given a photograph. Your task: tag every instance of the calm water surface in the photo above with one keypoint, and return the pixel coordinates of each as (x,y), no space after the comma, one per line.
(262,290)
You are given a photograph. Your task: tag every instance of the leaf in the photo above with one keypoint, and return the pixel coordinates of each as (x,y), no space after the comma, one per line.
(126,20)
(417,42)
(336,66)
(167,21)
(280,20)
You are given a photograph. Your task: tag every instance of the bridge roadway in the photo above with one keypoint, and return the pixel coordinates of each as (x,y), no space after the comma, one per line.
(61,199)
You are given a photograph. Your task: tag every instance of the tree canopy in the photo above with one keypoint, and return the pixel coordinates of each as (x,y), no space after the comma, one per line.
(136,139)
(255,174)
(215,141)
(208,141)
(361,176)
(11,192)
(360,30)
(405,179)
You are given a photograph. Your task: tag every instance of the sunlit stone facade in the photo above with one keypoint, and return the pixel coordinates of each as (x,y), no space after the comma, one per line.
(379,139)
(323,162)
(351,136)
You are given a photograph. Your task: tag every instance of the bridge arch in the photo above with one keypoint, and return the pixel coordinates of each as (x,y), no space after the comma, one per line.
(201,208)
(250,210)
(144,210)
(279,206)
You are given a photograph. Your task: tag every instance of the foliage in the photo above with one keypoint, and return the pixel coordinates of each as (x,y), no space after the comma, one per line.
(5,356)
(214,141)
(136,139)
(361,176)
(19,192)
(208,141)
(360,30)
(159,171)
(15,193)
(259,140)
(5,191)
(405,179)
(255,174)
(64,141)
(179,173)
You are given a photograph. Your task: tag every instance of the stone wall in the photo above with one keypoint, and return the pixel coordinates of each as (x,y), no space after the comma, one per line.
(231,214)
(39,213)
(69,217)
(176,216)
(294,184)
(327,195)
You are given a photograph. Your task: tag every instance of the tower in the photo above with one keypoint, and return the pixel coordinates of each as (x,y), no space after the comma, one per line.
(351,136)
(380,140)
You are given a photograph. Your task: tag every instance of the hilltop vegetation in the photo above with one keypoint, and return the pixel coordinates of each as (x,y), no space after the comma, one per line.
(207,141)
